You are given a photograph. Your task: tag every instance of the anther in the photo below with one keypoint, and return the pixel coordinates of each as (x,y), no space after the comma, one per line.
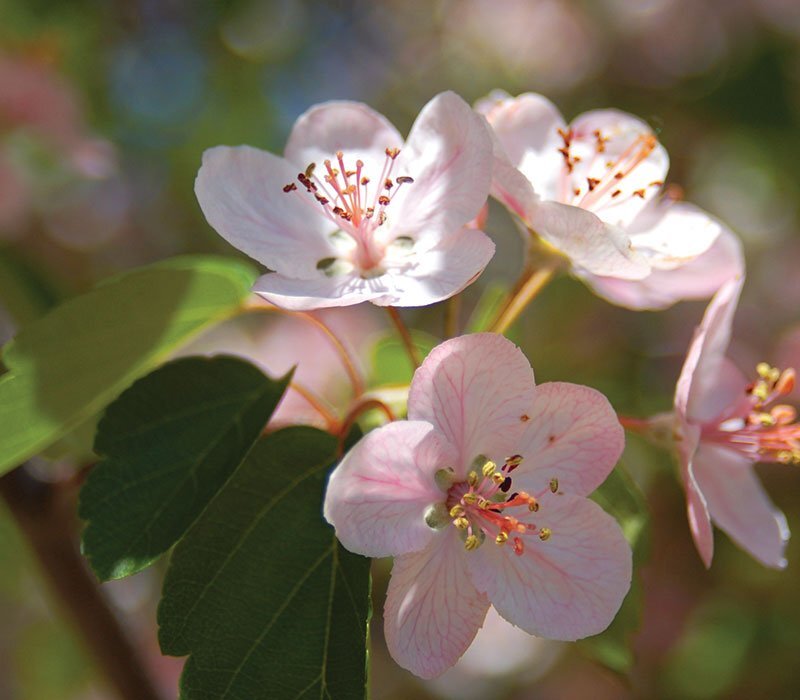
(404,179)
(461,523)
(513,462)
(498,478)
(470,499)
(291,187)
(457,511)
(502,537)
(383,200)
(471,543)
(554,485)
(544,533)
(392,152)
(472,478)
(489,468)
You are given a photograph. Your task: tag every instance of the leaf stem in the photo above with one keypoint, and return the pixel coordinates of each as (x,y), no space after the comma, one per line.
(452,310)
(527,291)
(318,405)
(359,410)
(46,520)
(349,365)
(405,336)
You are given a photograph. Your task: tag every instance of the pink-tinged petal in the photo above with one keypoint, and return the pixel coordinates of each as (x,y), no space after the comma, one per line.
(739,505)
(419,279)
(351,127)
(587,241)
(527,129)
(511,188)
(701,369)
(568,587)
(432,610)
(478,391)
(697,279)
(696,507)
(573,435)
(240,190)
(632,149)
(439,272)
(378,496)
(449,155)
(320,293)
(670,234)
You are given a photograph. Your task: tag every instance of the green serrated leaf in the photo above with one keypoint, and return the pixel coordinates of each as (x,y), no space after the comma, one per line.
(169,443)
(260,593)
(67,366)
(621,497)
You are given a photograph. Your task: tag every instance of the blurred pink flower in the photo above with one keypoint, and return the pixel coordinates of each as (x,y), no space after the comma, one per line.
(429,492)
(725,424)
(593,191)
(276,342)
(47,155)
(369,218)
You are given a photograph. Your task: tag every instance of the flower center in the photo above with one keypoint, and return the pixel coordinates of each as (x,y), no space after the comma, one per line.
(481,507)
(595,180)
(765,431)
(357,206)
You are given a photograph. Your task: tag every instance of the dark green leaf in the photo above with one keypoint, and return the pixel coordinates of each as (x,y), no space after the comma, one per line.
(260,593)
(65,367)
(169,442)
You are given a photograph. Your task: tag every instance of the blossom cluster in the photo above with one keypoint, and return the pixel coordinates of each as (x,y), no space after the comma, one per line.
(480,495)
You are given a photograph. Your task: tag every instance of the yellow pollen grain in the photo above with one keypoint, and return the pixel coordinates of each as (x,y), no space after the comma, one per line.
(554,485)
(544,534)
(502,537)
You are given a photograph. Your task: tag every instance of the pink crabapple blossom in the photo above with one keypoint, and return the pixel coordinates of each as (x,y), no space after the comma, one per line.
(352,213)
(724,424)
(593,192)
(481,498)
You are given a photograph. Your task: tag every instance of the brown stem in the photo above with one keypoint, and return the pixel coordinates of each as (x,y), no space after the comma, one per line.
(46,521)
(452,311)
(405,336)
(524,295)
(357,411)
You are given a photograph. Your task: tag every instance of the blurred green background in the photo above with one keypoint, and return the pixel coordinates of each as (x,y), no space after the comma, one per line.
(107,106)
